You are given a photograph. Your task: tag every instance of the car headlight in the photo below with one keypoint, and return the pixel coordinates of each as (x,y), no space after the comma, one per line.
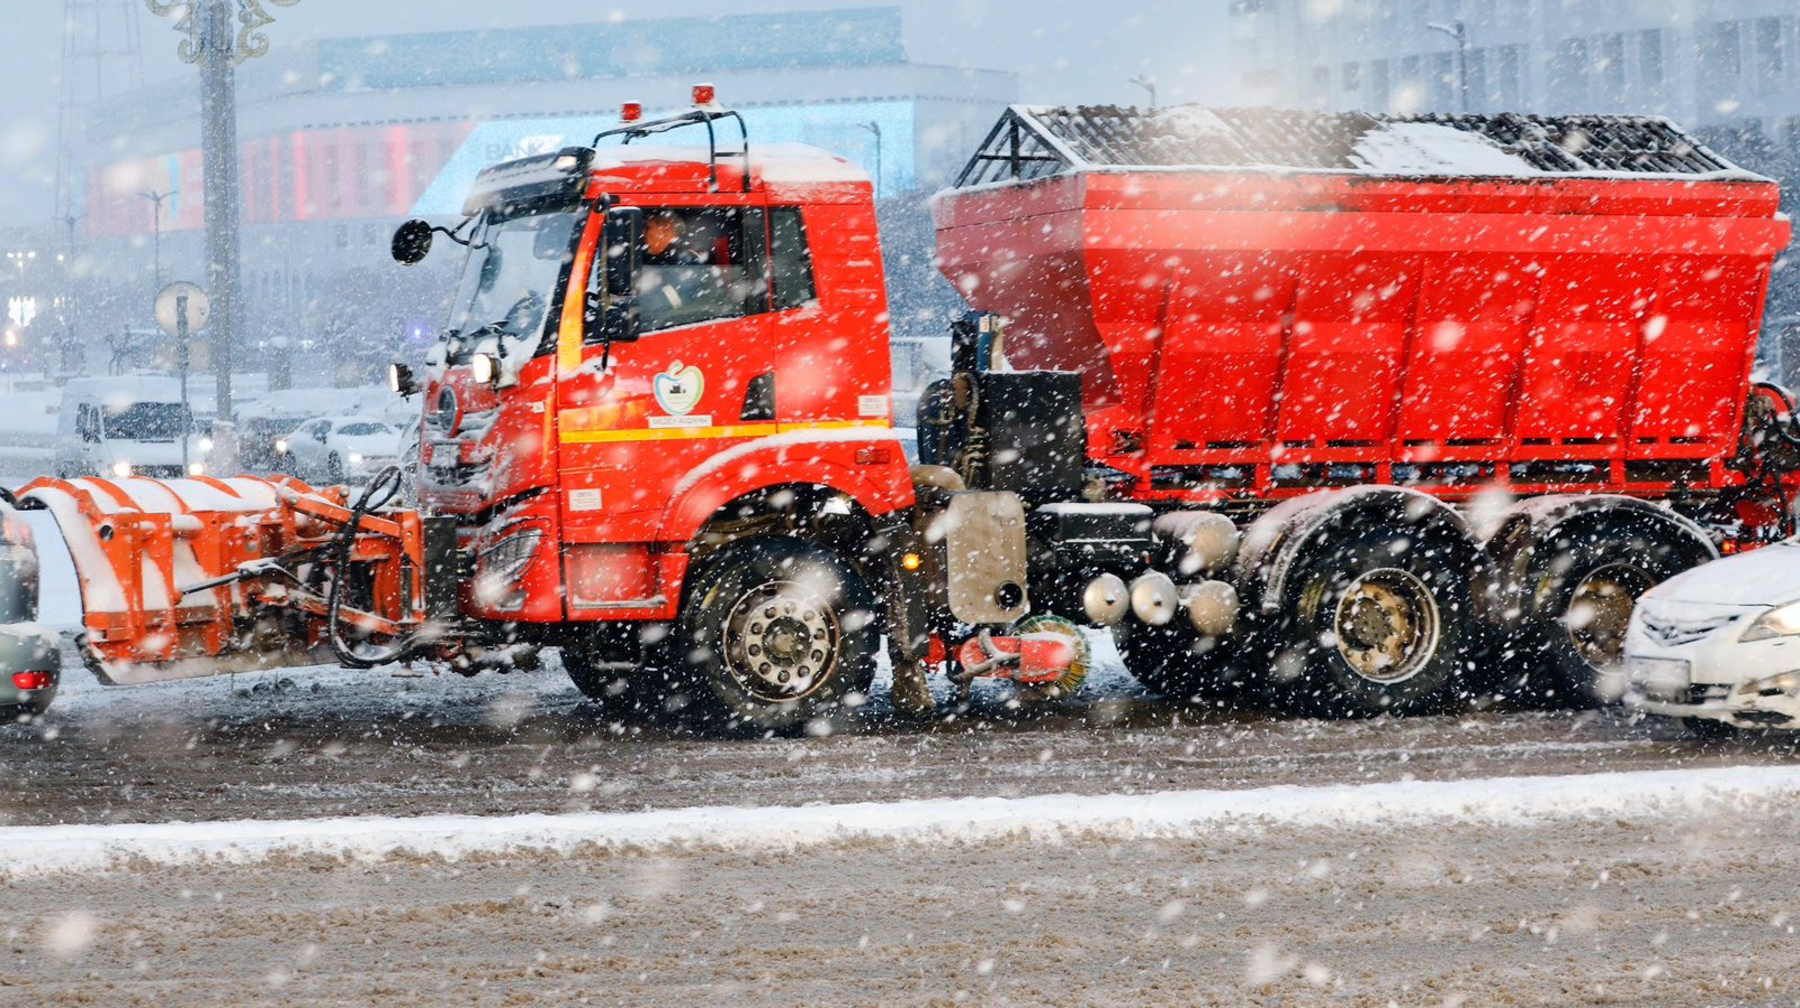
(1782,621)
(1787,682)
(206,444)
(121,469)
(356,458)
(197,469)
(281,446)
(484,368)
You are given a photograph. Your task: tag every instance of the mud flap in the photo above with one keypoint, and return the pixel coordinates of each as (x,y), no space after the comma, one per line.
(908,639)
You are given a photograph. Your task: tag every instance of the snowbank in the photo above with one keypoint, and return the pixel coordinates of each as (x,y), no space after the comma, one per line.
(1494,801)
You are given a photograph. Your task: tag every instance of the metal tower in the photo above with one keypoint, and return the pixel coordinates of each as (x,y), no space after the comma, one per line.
(103,55)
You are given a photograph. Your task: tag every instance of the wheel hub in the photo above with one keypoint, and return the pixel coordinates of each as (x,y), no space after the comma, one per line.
(781,641)
(1387,625)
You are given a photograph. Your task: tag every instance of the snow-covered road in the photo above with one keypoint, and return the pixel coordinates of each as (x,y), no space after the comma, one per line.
(1656,902)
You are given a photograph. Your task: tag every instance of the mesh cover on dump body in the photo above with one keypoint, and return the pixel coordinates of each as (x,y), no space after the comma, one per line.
(1255,287)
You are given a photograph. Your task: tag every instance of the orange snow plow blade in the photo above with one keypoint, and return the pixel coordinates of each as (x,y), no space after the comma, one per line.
(195,577)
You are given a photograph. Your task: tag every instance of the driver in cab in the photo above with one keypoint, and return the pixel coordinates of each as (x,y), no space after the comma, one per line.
(680,278)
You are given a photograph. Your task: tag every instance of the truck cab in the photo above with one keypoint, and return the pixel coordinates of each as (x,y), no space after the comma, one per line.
(652,354)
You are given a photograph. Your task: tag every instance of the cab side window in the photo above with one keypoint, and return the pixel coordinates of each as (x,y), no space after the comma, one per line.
(790,259)
(698,264)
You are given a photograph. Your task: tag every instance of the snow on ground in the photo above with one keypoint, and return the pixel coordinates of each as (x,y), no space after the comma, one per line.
(1515,801)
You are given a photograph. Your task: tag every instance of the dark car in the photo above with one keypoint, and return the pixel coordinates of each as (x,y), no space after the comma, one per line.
(29,658)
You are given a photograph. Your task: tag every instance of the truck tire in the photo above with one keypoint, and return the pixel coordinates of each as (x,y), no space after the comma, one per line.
(1178,664)
(1587,574)
(775,632)
(1376,621)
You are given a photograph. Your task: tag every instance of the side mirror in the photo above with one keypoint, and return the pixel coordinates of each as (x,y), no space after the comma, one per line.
(401,381)
(412,242)
(620,240)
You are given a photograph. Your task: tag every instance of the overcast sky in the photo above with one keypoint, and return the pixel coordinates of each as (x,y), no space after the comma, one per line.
(1065,51)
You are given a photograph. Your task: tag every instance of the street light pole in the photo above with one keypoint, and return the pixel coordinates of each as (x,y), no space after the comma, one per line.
(874,127)
(68,355)
(210,43)
(1460,32)
(157,198)
(1148,83)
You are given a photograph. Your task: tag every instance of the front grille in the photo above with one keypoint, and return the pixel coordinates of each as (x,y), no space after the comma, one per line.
(1672,631)
(1701,693)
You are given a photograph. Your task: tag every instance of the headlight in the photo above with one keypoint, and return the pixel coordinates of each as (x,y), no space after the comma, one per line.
(356,458)
(508,558)
(1783,621)
(501,566)
(484,368)
(197,469)
(206,444)
(281,446)
(121,469)
(1787,682)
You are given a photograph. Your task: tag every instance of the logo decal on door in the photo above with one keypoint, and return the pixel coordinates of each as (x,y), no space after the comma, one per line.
(678,389)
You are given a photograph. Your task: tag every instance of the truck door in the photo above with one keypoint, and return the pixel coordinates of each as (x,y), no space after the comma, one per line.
(696,382)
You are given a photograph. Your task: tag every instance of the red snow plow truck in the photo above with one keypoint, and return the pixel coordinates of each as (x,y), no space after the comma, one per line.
(1358,413)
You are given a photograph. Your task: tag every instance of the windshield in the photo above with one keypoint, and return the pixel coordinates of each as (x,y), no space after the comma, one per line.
(147,422)
(363,429)
(513,275)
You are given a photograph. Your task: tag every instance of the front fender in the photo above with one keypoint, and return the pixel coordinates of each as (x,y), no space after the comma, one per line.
(882,484)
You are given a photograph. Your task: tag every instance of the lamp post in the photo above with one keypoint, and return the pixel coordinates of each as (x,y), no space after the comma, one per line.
(70,342)
(212,45)
(874,127)
(157,198)
(1460,32)
(1148,83)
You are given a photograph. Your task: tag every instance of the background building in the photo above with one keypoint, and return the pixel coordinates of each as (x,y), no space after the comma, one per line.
(343,138)
(1701,62)
(1727,69)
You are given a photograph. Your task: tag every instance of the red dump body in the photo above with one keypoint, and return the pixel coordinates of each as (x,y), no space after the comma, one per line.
(1250,331)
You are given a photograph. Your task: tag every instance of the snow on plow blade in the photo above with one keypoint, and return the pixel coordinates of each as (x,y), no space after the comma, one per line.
(196,577)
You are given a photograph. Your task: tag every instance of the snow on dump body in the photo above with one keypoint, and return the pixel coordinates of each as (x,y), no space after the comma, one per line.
(1033,142)
(1435,149)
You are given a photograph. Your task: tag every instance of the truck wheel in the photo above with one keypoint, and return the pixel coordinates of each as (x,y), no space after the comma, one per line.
(1179,664)
(1581,600)
(1376,622)
(774,633)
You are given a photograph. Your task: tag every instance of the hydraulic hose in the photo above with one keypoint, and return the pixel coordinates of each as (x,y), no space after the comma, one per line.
(1786,425)
(387,484)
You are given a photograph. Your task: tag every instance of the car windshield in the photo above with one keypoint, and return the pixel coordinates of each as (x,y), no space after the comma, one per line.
(146,421)
(363,429)
(512,277)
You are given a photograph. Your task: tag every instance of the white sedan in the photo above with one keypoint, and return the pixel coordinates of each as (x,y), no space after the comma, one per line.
(339,449)
(1719,645)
